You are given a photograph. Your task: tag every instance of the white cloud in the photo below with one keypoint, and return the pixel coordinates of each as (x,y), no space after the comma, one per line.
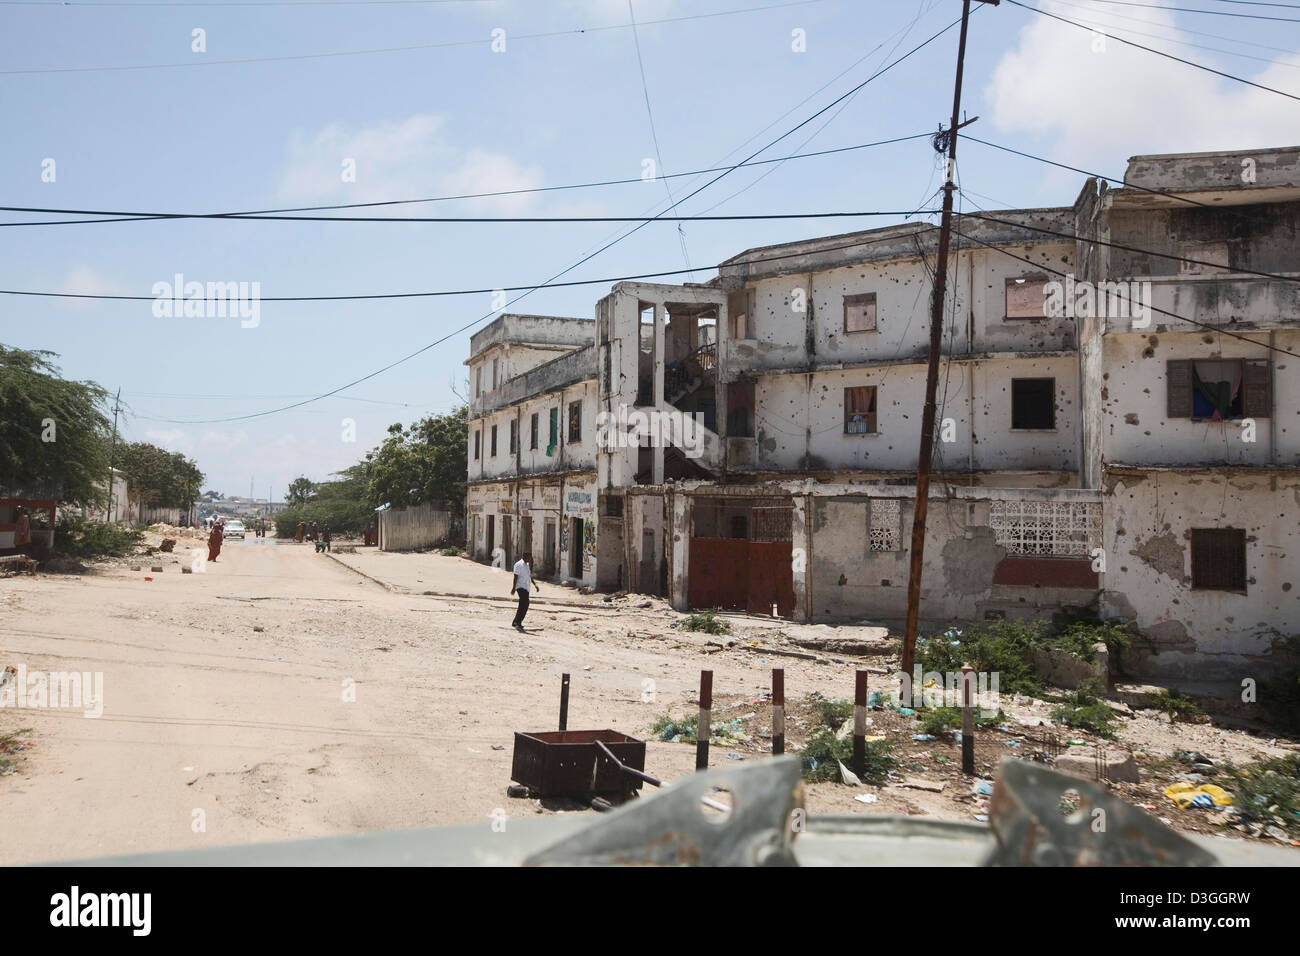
(1101,107)
(84,280)
(406,159)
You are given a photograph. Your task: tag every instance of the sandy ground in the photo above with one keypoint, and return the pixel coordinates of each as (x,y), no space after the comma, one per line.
(282,694)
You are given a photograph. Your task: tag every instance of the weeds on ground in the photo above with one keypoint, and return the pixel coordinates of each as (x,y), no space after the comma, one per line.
(945,721)
(685,730)
(1266,792)
(1007,647)
(1178,706)
(830,714)
(8,744)
(706,622)
(1084,709)
(824,752)
(452,552)
(79,538)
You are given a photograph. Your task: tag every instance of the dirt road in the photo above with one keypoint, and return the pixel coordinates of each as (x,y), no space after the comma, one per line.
(280,694)
(227,715)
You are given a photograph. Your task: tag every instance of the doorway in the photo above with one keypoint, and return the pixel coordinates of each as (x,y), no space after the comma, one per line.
(491,537)
(548,558)
(575,547)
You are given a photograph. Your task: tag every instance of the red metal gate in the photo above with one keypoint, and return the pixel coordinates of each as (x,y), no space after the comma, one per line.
(740,555)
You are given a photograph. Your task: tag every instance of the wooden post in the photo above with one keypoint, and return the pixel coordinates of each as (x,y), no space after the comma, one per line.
(564,702)
(860,723)
(778,711)
(703,725)
(967,723)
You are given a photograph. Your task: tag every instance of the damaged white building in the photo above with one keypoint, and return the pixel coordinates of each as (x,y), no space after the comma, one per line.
(752,442)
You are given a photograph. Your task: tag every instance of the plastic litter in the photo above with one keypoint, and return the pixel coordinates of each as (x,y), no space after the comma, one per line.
(1012,743)
(848,776)
(923,736)
(866,798)
(1206,796)
(983,788)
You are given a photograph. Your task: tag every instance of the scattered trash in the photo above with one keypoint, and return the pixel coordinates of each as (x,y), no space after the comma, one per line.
(735,757)
(1012,743)
(498,747)
(875,700)
(848,776)
(982,817)
(1206,796)
(923,736)
(866,798)
(983,788)
(906,711)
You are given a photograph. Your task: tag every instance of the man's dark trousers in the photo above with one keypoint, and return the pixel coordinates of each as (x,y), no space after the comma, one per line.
(523,606)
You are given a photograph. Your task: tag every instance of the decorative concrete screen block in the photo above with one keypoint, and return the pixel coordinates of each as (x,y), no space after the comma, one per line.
(1062,528)
(886,519)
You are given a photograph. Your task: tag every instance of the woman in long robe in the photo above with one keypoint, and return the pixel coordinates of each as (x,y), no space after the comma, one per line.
(214,541)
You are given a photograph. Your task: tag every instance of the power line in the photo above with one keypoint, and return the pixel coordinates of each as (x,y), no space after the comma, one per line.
(1208,13)
(399,49)
(1167,56)
(146,216)
(1222,210)
(1153,308)
(1119,245)
(528,219)
(1101,26)
(592,255)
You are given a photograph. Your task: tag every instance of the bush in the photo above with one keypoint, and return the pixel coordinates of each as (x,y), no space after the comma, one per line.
(830,714)
(1267,791)
(992,647)
(1083,709)
(685,730)
(453,552)
(706,621)
(1178,706)
(78,537)
(824,749)
(945,721)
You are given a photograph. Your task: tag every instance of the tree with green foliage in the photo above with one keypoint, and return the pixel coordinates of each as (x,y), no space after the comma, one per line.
(422,463)
(340,504)
(300,491)
(159,478)
(54,433)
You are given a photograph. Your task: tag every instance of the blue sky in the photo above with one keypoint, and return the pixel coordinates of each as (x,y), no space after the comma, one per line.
(458,117)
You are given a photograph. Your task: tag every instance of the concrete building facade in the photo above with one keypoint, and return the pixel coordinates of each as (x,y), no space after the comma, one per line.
(754,439)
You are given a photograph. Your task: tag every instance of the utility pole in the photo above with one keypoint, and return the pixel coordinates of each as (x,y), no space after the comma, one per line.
(948,138)
(112,452)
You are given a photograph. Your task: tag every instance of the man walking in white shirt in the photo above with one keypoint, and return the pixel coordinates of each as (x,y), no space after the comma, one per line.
(523,581)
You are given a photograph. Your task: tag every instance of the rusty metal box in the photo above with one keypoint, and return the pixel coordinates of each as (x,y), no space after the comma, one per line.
(567,762)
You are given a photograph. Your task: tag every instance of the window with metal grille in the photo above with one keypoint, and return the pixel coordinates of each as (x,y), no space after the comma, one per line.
(613,506)
(860,410)
(1218,559)
(753,519)
(860,312)
(1033,403)
(884,521)
(1059,528)
(532,443)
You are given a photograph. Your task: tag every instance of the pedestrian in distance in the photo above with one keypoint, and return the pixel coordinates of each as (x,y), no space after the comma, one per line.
(522,582)
(326,537)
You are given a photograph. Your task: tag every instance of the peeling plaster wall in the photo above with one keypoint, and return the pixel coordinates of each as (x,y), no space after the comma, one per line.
(1200,634)
(800,419)
(851,582)
(1133,402)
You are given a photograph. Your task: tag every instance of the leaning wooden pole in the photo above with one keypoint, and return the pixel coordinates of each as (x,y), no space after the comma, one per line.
(947,138)
(702,727)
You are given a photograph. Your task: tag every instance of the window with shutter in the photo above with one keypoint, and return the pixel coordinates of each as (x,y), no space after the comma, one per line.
(1219,559)
(1178,388)
(1257,385)
(860,312)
